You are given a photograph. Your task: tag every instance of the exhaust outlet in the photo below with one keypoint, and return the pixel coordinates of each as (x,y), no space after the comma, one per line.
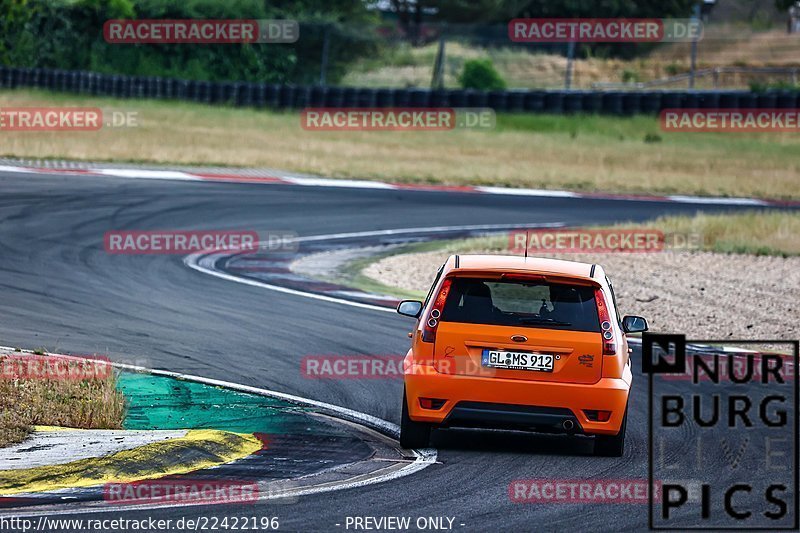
(568,425)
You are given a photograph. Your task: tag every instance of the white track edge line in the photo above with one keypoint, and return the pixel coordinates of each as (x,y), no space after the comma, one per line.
(192,260)
(382,185)
(255,283)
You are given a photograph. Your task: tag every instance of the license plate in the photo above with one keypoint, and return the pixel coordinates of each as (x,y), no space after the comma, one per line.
(540,362)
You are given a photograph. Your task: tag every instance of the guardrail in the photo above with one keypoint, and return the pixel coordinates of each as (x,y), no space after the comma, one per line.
(297,97)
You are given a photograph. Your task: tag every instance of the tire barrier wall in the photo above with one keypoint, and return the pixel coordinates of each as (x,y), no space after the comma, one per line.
(258,95)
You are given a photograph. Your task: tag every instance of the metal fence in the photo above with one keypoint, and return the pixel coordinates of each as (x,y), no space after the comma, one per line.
(789,75)
(260,95)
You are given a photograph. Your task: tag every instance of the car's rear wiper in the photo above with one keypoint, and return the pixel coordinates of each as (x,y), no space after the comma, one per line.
(548,321)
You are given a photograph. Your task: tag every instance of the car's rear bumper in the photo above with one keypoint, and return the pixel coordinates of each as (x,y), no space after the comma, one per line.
(472,401)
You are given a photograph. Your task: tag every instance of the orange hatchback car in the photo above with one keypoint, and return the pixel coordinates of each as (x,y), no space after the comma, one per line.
(518,343)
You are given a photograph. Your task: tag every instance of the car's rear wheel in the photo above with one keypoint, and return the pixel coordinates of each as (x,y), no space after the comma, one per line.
(413,434)
(612,445)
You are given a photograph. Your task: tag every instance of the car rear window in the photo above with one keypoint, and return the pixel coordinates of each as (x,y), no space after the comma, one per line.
(536,304)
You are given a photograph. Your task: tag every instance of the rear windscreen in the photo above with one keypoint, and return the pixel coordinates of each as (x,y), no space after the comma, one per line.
(536,304)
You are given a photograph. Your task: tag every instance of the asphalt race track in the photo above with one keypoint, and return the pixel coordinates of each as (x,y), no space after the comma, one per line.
(60,290)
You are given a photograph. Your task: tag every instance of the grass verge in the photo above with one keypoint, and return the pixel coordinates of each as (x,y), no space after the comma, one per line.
(583,153)
(352,274)
(754,232)
(48,401)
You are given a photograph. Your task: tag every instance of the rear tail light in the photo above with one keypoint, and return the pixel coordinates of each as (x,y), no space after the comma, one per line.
(609,347)
(432,321)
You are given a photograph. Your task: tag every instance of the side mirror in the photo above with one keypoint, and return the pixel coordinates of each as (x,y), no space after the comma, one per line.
(410,308)
(634,324)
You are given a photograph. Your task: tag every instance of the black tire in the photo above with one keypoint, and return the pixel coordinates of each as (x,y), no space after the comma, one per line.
(612,445)
(413,434)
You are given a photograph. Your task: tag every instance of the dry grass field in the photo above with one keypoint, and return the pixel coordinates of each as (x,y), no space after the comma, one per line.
(722,45)
(584,153)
